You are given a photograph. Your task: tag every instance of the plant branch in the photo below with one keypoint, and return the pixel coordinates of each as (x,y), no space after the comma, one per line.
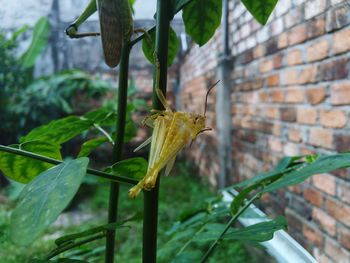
(120,179)
(232,220)
(104,132)
(71,245)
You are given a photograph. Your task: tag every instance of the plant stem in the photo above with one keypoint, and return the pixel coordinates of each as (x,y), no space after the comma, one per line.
(232,220)
(118,148)
(69,246)
(150,219)
(119,179)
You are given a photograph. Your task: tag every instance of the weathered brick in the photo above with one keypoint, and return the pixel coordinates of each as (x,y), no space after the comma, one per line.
(307,75)
(325,183)
(273,80)
(288,114)
(277,61)
(294,95)
(316,27)
(327,223)
(333,118)
(316,95)
(321,137)
(293,17)
(337,253)
(275,144)
(301,207)
(290,77)
(338,210)
(314,196)
(340,93)
(271,112)
(297,34)
(341,41)
(264,96)
(344,192)
(294,57)
(317,51)
(314,8)
(277,96)
(337,18)
(335,69)
(259,51)
(291,149)
(294,220)
(306,115)
(313,235)
(344,237)
(294,135)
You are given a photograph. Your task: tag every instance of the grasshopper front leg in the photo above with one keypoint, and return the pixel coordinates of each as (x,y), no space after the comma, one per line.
(72,29)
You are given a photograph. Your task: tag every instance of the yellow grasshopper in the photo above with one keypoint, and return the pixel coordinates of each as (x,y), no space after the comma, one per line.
(171,132)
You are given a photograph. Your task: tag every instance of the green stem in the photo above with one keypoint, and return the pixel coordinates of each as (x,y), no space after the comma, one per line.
(119,179)
(150,219)
(118,148)
(69,246)
(232,220)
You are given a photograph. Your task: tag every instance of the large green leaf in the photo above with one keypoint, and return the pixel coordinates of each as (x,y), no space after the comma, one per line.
(60,260)
(179,4)
(260,9)
(148,46)
(323,164)
(59,131)
(44,198)
(90,145)
(257,233)
(41,35)
(23,169)
(134,168)
(202,18)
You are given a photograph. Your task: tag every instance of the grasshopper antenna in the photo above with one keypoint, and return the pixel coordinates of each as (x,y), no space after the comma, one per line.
(206,96)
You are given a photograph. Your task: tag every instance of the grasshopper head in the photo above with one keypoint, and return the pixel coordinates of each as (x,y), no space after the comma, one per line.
(198,125)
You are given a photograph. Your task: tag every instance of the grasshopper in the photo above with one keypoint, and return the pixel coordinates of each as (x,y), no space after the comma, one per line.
(116,26)
(172,131)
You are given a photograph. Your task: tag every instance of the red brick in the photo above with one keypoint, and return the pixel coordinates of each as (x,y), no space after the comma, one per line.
(338,210)
(294,57)
(259,51)
(297,35)
(264,96)
(316,27)
(282,41)
(333,118)
(327,223)
(271,112)
(294,95)
(313,235)
(290,77)
(277,96)
(294,220)
(341,41)
(321,137)
(277,61)
(314,196)
(294,135)
(337,253)
(344,236)
(266,65)
(316,95)
(325,183)
(273,80)
(340,93)
(317,51)
(307,75)
(306,115)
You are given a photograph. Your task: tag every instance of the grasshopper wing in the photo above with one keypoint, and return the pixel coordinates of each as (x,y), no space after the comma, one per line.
(144,144)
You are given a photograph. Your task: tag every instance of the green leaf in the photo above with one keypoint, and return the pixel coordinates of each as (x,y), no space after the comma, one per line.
(14,36)
(323,164)
(130,131)
(148,46)
(239,199)
(261,10)
(90,145)
(23,169)
(61,260)
(59,131)
(257,233)
(179,4)
(283,166)
(133,168)
(202,18)
(44,198)
(102,116)
(40,38)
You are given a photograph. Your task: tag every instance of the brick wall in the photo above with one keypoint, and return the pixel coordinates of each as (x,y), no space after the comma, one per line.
(290,95)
